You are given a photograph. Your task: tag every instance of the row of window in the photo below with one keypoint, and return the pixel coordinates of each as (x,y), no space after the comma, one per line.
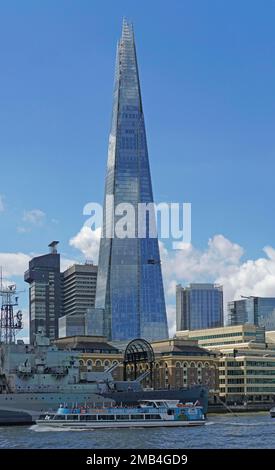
(77,417)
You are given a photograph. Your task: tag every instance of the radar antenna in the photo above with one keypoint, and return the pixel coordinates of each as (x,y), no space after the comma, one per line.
(10,322)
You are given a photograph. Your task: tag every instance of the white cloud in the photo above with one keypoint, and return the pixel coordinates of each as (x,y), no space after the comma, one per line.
(34,217)
(65,263)
(2,204)
(171,317)
(14,264)
(87,241)
(31,219)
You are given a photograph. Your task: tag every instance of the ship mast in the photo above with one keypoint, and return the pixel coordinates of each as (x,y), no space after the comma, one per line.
(10,322)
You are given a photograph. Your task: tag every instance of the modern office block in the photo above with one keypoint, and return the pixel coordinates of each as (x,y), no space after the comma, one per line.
(78,296)
(255,310)
(199,306)
(45,304)
(79,288)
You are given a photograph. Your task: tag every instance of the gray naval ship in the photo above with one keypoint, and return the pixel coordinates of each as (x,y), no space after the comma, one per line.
(37,378)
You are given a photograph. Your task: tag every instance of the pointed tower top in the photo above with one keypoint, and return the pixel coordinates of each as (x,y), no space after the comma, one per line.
(127,30)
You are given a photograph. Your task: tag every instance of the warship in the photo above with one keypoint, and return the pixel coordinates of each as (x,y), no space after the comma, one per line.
(37,378)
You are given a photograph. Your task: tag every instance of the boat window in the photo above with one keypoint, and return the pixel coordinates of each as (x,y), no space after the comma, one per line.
(137,416)
(170,412)
(72,417)
(87,417)
(152,416)
(122,417)
(106,417)
(59,418)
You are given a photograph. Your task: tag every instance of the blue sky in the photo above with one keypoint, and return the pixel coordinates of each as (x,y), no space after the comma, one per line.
(207,75)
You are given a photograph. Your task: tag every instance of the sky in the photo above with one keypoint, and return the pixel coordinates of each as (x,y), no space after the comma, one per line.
(207,75)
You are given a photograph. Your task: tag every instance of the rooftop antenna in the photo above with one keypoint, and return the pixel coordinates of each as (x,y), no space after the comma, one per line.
(10,322)
(89,262)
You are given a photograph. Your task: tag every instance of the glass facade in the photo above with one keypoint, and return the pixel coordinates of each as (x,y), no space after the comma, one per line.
(94,321)
(255,310)
(129,284)
(45,303)
(199,306)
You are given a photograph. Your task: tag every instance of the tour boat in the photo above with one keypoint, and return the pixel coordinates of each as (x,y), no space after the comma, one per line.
(272,412)
(159,413)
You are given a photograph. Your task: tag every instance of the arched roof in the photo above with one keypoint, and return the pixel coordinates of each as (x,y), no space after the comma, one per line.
(139,350)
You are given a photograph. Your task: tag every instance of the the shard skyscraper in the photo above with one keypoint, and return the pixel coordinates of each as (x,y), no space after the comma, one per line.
(129,284)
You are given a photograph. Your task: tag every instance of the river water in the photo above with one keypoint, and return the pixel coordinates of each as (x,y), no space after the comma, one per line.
(255,430)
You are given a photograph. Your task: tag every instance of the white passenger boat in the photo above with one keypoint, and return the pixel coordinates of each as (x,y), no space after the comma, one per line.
(159,413)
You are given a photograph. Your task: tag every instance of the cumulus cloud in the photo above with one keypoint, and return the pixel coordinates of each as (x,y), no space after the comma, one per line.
(2,204)
(14,264)
(171,318)
(87,241)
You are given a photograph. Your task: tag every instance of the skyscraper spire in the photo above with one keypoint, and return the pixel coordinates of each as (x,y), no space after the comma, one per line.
(129,285)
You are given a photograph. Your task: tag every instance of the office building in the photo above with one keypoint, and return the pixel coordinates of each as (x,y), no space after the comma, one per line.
(245,360)
(78,292)
(255,310)
(199,306)
(45,303)
(129,285)
(79,288)
(227,336)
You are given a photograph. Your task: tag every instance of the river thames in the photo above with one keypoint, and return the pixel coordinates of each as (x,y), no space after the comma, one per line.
(244,431)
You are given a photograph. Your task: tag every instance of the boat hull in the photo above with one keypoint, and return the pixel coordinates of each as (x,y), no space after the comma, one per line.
(89,426)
